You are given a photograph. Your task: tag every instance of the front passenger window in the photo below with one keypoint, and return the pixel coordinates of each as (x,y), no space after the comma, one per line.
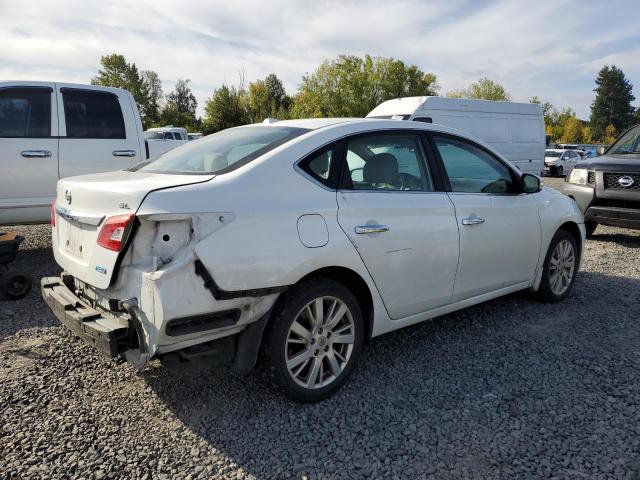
(472,170)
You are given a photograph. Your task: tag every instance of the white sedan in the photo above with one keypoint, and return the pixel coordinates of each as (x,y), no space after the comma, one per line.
(302,239)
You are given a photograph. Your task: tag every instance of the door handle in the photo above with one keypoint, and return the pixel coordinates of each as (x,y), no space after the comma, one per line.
(35,153)
(364,229)
(472,220)
(124,153)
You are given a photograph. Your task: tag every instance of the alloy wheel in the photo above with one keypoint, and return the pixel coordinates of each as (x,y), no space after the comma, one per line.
(562,267)
(320,342)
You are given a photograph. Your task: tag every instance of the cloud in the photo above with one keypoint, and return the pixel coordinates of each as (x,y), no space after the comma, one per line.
(550,49)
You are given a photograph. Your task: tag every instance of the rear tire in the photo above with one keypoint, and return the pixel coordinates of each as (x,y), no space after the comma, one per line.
(307,359)
(560,268)
(590,227)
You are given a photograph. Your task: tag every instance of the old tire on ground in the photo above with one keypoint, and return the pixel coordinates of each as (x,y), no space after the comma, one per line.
(591,227)
(14,285)
(314,339)
(560,268)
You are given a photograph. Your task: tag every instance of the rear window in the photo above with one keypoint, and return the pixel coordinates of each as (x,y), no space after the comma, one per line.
(91,114)
(224,151)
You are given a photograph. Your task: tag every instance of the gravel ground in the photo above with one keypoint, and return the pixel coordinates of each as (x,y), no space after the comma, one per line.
(508,389)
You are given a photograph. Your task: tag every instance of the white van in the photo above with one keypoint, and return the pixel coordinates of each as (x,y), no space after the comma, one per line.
(516,130)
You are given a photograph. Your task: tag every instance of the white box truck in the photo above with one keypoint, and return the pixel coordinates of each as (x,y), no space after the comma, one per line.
(516,130)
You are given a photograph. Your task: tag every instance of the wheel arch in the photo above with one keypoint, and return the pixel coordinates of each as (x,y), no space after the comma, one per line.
(574,230)
(354,282)
(350,279)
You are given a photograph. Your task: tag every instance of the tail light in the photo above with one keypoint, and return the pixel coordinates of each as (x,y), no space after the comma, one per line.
(114,232)
(53,212)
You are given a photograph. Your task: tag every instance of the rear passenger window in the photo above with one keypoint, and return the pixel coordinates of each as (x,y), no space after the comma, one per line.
(92,114)
(386,162)
(25,112)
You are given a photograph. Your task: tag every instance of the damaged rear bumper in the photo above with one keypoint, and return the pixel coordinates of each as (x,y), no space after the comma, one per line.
(110,336)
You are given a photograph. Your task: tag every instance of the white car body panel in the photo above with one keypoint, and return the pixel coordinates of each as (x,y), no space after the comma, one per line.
(511,229)
(515,130)
(422,237)
(244,227)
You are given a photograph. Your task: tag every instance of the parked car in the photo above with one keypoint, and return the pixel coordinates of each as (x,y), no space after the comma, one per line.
(571,146)
(304,238)
(195,136)
(54,130)
(162,139)
(607,188)
(557,162)
(515,130)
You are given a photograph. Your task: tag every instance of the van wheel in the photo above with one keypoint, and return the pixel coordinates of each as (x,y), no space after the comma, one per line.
(314,340)
(590,227)
(560,268)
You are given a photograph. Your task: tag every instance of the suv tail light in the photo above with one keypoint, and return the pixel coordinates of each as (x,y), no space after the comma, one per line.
(114,232)
(53,212)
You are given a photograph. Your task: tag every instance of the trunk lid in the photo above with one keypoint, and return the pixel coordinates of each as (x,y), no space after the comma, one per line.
(85,203)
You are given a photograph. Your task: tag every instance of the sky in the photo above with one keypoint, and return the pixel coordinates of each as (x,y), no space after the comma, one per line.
(550,49)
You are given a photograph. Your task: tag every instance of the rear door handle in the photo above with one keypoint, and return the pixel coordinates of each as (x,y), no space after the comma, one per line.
(472,220)
(364,229)
(124,153)
(35,153)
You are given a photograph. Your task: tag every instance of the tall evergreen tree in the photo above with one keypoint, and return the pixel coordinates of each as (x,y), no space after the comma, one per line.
(180,107)
(612,105)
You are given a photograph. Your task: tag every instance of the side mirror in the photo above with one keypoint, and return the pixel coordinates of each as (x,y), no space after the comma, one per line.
(601,150)
(530,183)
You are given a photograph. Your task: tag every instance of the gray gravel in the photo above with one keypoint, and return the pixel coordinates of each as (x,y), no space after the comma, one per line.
(509,389)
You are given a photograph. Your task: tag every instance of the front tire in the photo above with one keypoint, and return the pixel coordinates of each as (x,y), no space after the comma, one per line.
(560,268)
(590,227)
(559,171)
(315,339)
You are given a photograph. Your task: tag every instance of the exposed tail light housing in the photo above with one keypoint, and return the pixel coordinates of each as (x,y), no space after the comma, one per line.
(114,231)
(53,212)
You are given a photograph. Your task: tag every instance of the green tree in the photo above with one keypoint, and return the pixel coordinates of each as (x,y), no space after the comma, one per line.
(612,104)
(267,98)
(180,107)
(352,86)
(115,71)
(572,132)
(483,89)
(226,108)
(637,116)
(154,88)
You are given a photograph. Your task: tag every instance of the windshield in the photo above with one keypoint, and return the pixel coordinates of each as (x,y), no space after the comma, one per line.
(552,154)
(627,143)
(153,135)
(223,151)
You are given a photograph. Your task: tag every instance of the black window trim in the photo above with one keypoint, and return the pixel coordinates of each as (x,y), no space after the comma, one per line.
(91,92)
(516,177)
(430,167)
(29,89)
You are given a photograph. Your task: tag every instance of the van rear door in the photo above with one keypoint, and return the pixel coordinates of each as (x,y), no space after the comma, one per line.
(28,151)
(99,130)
